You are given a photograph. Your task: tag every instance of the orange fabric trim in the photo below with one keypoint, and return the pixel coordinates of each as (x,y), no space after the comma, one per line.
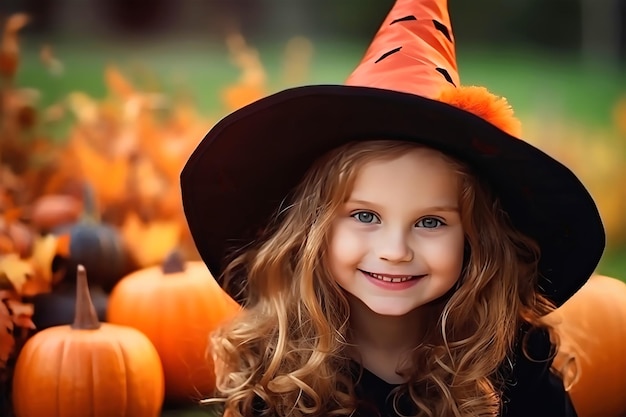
(481,102)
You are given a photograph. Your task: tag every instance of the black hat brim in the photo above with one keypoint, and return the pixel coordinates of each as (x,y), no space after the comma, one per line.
(246,165)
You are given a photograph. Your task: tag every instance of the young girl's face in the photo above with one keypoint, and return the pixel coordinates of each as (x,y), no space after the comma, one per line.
(397,243)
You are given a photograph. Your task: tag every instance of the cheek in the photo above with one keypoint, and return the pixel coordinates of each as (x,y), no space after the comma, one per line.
(345,247)
(447,255)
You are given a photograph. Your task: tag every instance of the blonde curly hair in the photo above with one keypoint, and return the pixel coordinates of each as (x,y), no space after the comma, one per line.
(285,355)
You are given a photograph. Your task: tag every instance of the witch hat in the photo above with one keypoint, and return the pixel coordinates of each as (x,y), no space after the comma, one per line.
(406,88)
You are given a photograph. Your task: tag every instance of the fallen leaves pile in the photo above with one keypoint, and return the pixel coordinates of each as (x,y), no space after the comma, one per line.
(108,195)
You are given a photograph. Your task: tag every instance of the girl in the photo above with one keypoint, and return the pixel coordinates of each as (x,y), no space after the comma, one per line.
(393,243)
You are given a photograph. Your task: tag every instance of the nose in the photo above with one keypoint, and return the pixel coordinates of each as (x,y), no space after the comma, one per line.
(394,246)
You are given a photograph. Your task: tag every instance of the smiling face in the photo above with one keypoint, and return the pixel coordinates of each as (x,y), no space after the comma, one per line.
(397,242)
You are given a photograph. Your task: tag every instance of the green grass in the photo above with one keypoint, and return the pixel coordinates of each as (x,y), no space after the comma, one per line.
(613,263)
(533,82)
(529,80)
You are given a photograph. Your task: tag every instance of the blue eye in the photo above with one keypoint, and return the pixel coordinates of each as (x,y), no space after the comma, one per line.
(366,217)
(430,223)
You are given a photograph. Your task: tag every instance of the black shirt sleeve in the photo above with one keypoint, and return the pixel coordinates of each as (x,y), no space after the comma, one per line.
(533,390)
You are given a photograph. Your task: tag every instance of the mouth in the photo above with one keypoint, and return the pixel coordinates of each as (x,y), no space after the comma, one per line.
(392,278)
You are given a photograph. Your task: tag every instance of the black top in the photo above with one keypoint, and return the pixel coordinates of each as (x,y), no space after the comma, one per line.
(542,398)
(532,391)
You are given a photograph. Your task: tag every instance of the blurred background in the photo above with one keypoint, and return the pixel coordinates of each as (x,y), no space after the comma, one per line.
(103,100)
(560,63)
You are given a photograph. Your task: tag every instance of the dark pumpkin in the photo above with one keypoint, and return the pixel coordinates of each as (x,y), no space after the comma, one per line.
(58,307)
(99,247)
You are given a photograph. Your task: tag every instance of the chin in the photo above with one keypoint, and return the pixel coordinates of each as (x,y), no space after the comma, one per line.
(392,311)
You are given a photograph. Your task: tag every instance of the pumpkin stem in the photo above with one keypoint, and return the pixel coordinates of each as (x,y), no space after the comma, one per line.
(85,316)
(173,263)
(90,204)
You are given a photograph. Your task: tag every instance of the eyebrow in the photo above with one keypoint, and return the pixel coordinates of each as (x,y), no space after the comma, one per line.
(453,209)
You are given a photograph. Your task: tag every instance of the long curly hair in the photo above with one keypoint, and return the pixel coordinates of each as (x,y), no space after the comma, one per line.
(285,355)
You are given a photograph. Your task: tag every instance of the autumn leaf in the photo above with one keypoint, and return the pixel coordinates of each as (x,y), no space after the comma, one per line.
(16,22)
(9,47)
(7,341)
(252,83)
(108,173)
(150,242)
(240,95)
(21,313)
(297,60)
(83,107)
(13,313)
(45,248)
(117,84)
(14,271)
(50,61)
(143,182)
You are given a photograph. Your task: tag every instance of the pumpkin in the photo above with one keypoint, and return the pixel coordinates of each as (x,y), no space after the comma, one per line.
(98,246)
(177,305)
(58,306)
(591,328)
(88,368)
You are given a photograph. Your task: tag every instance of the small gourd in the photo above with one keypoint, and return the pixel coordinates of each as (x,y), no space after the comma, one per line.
(88,368)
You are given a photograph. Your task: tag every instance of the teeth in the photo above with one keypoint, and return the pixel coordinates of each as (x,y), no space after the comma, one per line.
(389,279)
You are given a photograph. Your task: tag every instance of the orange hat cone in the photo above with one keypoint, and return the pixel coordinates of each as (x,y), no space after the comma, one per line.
(413,51)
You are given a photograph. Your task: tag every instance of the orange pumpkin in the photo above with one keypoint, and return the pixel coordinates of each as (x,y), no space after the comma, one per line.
(176,305)
(88,369)
(592,355)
